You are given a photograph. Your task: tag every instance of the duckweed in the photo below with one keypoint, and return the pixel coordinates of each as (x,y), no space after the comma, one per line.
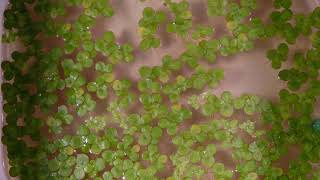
(104,127)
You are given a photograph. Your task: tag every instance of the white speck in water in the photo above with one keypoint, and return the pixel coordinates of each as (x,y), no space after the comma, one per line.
(234,171)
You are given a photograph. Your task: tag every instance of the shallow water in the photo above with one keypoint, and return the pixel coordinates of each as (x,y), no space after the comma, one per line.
(247,72)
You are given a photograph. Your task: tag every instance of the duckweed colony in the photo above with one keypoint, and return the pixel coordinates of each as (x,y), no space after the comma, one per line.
(53,130)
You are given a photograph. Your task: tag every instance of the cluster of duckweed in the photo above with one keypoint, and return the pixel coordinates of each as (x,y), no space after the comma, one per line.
(121,144)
